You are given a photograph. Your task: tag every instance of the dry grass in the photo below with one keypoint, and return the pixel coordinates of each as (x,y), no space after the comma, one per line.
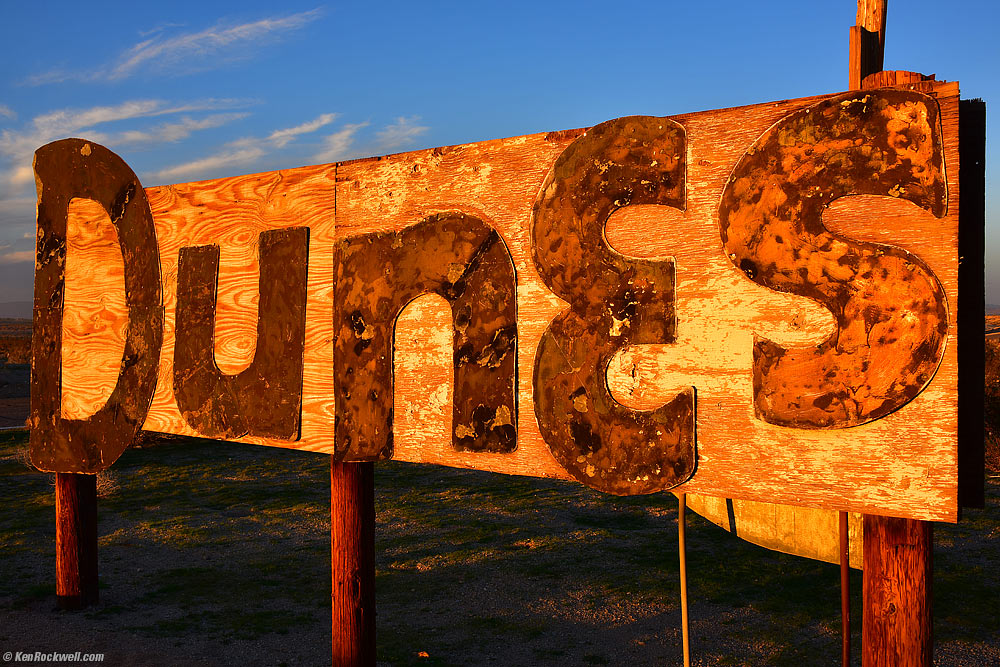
(215,553)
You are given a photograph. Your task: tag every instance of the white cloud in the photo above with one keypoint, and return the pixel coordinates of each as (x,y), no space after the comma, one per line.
(191,51)
(7,112)
(239,153)
(400,133)
(17,257)
(171,132)
(203,166)
(18,146)
(281,138)
(20,176)
(160,28)
(64,122)
(337,146)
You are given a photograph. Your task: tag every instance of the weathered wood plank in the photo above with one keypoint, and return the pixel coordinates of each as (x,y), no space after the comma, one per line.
(801,531)
(897,627)
(902,464)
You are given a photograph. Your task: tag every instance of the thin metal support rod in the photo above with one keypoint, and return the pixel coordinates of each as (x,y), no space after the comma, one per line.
(682,554)
(845,592)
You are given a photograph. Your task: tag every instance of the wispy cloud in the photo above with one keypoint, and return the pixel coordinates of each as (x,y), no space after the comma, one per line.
(281,138)
(337,146)
(229,157)
(240,153)
(400,133)
(19,175)
(189,52)
(7,112)
(64,122)
(171,132)
(160,28)
(18,145)
(17,257)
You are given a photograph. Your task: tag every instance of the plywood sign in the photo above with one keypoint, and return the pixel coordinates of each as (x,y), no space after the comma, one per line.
(754,303)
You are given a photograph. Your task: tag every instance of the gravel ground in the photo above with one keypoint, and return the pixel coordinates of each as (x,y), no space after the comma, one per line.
(222,559)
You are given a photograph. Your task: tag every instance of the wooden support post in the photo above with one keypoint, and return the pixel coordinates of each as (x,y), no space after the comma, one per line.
(76,540)
(352,541)
(897,593)
(867,46)
(897,574)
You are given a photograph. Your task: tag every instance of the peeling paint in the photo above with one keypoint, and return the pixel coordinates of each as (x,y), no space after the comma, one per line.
(264,399)
(614,301)
(890,309)
(65,170)
(460,258)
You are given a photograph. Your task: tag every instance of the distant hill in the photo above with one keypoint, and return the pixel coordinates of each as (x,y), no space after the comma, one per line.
(16,309)
(992,309)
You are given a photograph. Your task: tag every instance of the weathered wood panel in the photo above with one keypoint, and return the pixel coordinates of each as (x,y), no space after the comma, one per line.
(801,531)
(903,464)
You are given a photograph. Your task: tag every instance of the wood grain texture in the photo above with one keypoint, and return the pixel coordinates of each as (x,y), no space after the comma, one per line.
(352,562)
(890,310)
(801,531)
(871,16)
(903,464)
(867,41)
(93,337)
(65,170)
(897,622)
(76,540)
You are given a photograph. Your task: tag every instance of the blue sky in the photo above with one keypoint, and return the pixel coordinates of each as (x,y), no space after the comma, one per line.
(191,90)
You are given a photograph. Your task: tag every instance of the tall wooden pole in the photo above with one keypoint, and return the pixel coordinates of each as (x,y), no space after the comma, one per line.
(352,541)
(896,629)
(897,572)
(76,540)
(867,41)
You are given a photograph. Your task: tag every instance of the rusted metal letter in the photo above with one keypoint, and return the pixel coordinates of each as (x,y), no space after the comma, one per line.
(890,309)
(615,301)
(64,170)
(265,398)
(464,260)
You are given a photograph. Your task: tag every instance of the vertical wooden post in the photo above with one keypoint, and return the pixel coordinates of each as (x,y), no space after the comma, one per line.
(897,592)
(867,41)
(76,540)
(896,580)
(352,541)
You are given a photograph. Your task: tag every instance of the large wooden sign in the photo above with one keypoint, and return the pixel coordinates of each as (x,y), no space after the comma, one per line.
(753,303)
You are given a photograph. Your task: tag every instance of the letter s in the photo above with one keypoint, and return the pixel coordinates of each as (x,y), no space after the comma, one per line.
(890,309)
